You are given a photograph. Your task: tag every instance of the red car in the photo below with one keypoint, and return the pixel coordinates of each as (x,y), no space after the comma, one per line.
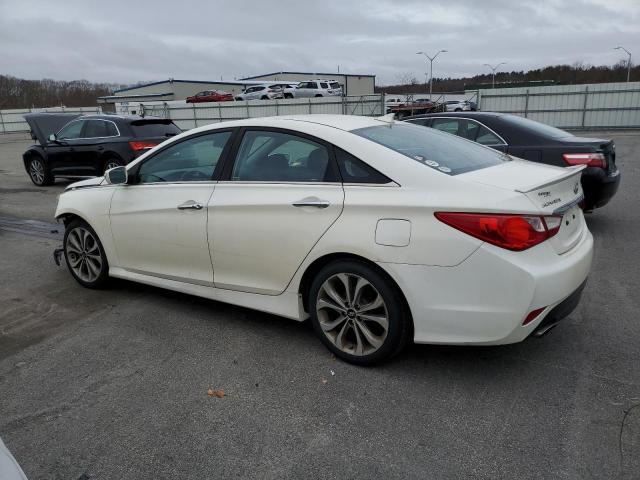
(210,96)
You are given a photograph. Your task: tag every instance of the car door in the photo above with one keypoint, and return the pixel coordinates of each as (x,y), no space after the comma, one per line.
(272,204)
(159,220)
(96,135)
(62,153)
(305,89)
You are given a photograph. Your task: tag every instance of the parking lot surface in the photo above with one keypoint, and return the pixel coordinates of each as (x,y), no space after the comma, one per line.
(114,384)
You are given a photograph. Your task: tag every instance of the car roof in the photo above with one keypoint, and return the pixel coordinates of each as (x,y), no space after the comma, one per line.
(478,115)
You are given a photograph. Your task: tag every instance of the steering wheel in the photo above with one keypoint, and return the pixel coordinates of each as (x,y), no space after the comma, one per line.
(193,176)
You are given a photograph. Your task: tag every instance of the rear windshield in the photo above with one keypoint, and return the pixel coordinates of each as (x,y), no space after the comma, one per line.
(537,127)
(154,128)
(438,150)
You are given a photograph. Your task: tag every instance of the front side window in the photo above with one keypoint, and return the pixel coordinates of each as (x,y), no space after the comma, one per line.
(70,131)
(437,150)
(334,85)
(266,156)
(192,160)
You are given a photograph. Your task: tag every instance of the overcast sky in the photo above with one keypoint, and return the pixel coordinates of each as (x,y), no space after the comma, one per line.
(138,40)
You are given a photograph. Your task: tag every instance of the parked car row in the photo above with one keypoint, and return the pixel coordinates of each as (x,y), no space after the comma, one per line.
(271,91)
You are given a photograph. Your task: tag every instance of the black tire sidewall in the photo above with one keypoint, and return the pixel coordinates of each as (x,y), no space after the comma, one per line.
(104,274)
(398,322)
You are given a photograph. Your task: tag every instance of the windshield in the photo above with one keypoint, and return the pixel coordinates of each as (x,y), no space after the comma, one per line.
(438,150)
(537,127)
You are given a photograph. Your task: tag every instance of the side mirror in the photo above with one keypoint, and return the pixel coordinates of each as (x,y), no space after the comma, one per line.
(52,137)
(116,176)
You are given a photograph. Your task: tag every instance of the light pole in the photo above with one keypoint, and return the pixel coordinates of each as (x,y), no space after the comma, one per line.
(628,62)
(493,78)
(431,59)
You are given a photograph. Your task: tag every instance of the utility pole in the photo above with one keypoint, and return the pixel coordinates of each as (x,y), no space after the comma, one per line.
(628,61)
(431,59)
(493,70)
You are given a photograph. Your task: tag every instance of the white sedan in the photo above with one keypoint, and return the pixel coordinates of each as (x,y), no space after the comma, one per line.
(381,232)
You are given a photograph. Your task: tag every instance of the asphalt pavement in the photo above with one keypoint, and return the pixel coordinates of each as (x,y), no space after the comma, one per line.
(116,384)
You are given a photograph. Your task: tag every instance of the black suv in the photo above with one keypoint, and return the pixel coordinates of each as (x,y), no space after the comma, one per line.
(80,146)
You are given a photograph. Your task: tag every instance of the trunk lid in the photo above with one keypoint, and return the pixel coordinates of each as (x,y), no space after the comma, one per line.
(552,190)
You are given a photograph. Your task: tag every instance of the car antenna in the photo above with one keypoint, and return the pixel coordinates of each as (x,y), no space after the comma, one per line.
(388,118)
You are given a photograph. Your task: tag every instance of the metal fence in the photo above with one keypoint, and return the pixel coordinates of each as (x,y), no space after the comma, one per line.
(187,116)
(13,120)
(592,106)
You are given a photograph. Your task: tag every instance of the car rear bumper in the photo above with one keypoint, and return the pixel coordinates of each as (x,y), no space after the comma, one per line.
(485,299)
(599,187)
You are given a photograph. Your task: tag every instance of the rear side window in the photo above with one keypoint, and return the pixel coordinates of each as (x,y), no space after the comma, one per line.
(151,128)
(266,156)
(354,170)
(437,150)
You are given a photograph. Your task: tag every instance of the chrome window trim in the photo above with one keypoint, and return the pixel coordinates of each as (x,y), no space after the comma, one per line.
(91,138)
(504,144)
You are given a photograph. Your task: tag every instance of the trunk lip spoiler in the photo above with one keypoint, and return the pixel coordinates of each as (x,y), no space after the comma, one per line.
(561,210)
(569,173)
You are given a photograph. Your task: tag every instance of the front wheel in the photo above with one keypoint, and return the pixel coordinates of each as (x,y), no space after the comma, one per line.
(358,313)
(39,173)
(84,255)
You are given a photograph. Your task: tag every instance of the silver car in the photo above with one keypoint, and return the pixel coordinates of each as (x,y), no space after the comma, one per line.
(317,88)
(261,92)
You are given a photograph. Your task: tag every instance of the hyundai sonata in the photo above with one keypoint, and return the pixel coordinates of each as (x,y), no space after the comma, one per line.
(380,232)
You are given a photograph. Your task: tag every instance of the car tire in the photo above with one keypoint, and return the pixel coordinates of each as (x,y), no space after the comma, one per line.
(318,95)
(39,172)
(458,110)
(84,255)
(111,162)
(288,95)
(362,334)
(239,99)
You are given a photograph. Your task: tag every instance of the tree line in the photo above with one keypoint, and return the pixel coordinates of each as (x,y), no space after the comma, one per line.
(21,93)
(577,73)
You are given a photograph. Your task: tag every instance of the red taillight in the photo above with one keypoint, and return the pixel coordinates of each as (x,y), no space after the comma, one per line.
(589,159)
(513,232)
(532,316)
(137,146)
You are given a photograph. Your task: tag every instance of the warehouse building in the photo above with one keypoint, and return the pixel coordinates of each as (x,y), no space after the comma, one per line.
(171,89)
(351,84)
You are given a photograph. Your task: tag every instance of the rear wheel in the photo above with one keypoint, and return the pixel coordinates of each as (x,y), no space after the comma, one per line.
(458,110)
(39,172)
(84,255)
(110,163)
(288,95)
(264,97)
(358,313)
(318,95)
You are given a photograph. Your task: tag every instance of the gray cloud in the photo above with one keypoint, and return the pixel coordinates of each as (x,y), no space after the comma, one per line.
(128,41)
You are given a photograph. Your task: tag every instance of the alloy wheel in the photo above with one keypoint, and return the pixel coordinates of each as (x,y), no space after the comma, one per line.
(352,314)
(36,170)
(83,253)
(111,164)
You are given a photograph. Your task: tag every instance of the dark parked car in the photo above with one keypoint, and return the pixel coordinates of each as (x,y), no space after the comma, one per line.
(80,146)
(537,142)
(210,96)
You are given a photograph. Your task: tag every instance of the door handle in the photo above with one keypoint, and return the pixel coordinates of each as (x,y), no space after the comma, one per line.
(190,205)
(311,202)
